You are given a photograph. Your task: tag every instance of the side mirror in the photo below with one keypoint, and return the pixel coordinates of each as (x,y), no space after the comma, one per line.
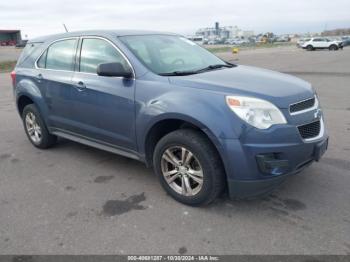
(113,69)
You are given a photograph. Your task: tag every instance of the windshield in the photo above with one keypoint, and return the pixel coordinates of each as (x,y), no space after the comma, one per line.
(166,54)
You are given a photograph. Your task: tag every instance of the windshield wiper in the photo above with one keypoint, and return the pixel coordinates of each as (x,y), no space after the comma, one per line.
(179,73)
(213,67)
(192,72)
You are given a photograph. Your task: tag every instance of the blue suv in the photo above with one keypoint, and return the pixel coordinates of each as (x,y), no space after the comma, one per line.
(203,124)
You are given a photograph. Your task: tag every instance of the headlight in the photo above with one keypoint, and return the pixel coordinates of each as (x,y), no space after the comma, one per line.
(256,112)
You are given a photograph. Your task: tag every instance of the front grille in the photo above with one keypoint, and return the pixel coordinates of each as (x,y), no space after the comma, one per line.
(310,130)
(302,105)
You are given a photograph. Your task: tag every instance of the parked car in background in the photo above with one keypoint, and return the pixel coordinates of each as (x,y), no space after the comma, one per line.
(321,43)
(301,41)
(338,40)
(237,41)
(197,39)
(283,38)
(213,42)
(345,40)
(7,42)
(203,124)
(21,44)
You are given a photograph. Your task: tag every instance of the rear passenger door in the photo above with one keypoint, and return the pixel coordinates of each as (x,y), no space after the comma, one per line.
(104,105)
(55,73)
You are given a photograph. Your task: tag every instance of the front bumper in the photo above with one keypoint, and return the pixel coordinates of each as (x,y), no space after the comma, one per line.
(254,168)
(246,189)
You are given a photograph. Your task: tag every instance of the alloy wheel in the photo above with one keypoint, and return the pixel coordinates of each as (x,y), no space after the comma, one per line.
(182,171)
(33,128)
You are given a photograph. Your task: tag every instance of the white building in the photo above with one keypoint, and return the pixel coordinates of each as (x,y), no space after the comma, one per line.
(227,32)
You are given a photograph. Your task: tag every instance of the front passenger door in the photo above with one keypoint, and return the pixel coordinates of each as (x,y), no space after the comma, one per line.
(104,107)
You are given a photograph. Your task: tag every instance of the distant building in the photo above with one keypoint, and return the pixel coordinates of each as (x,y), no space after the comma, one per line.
(336,32)
(226,32)
(247,34)
(10,37)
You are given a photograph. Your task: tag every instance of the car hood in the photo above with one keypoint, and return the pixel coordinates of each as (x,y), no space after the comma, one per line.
(280,89)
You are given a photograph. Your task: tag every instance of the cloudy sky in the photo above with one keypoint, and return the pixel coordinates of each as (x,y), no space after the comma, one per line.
(40,17)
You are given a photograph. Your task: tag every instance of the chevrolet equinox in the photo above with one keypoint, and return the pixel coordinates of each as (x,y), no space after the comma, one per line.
(203,124)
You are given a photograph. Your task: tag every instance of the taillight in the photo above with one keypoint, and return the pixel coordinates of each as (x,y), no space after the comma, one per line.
(13,77)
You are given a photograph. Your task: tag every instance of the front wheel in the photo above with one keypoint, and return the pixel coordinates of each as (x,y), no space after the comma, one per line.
(189,167)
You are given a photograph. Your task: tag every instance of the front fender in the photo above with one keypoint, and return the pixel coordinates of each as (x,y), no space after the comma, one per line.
(182,117)
(204,109)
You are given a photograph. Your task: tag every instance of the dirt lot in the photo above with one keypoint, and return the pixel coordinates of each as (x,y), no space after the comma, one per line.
(73,199)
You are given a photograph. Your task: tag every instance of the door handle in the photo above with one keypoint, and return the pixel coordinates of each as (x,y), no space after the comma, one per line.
(80,85)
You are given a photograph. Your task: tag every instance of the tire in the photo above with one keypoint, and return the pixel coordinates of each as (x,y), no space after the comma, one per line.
(36,129)
(333,48)
(310,48)
(205,160)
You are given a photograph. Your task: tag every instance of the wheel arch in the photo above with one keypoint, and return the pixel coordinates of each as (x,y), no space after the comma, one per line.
(22,102)
(27,92)
(310,46)
(333,47)
(169,123)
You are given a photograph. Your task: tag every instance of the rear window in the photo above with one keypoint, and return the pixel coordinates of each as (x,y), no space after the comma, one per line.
(27,51)
(59,56)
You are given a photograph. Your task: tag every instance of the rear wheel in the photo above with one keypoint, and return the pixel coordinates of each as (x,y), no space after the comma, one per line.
(189,167)
(35,128)
(310,48)
(333,48)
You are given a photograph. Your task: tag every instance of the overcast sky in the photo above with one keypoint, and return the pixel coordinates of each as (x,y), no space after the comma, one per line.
(39,17)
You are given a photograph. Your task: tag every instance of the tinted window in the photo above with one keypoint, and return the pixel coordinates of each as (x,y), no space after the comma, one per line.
(59,56)
(97,51)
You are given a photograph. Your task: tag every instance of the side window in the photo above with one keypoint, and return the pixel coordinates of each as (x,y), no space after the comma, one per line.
(96,51)
(59,56)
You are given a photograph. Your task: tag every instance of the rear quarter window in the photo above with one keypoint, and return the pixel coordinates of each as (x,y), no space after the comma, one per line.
(27,56)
